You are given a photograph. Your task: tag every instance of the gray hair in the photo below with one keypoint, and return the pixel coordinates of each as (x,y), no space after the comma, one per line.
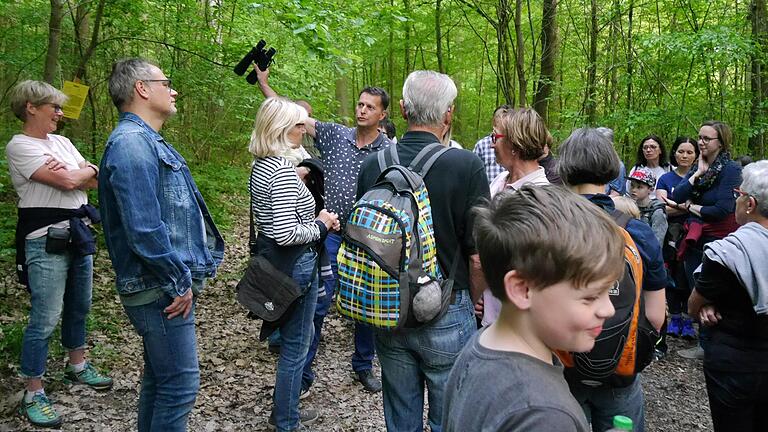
(36,93)
(124,75)
(608,132)
(587,157)
(755,182)
(427,97)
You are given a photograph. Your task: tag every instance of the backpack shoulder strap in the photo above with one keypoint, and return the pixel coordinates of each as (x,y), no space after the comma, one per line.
(388,157)
(427,157)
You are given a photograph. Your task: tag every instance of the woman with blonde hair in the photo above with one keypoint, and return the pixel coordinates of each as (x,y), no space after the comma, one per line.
(519,137)
(289,235)
(54,245)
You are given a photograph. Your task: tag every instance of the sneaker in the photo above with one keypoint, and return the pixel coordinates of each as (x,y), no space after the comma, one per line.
(305,393)
(695,353)
(89,376)
(658,354)
(675,326)
(40,411)
(687,331)
(368,380)
(306,418)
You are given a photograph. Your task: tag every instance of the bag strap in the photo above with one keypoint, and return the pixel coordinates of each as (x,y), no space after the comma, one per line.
(388,157)
(252,227)
(427,157)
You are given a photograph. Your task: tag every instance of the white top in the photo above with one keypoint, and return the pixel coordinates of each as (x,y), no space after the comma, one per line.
(283,208)
(26,155)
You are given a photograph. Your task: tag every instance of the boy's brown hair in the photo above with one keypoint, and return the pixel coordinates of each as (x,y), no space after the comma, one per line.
(548,234)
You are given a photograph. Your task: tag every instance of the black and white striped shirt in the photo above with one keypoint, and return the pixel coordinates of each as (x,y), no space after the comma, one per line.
(283,208)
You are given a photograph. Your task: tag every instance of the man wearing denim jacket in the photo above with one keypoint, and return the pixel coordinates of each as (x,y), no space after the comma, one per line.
(161,239)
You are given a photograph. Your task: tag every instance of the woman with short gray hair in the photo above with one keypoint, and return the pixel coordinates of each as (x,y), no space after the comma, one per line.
(54,244)
(731,299)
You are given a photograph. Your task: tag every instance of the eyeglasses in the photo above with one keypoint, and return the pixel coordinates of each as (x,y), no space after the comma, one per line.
(165,82)
(56,107)
(706,139)
(738,193)
(495,137)
(300,124)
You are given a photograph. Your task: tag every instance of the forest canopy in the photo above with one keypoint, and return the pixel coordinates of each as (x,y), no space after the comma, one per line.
(639,67)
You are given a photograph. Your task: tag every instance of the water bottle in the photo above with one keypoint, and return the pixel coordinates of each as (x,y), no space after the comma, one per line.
(621,424)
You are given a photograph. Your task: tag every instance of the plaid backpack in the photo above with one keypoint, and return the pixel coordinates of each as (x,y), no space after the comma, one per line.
(389,276)
(625,346)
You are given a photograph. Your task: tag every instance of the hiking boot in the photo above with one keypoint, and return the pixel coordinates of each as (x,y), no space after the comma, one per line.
(368,380)
(306,418)
(89,376)
(687,331)
(695,353)
(675,326)
(40,411)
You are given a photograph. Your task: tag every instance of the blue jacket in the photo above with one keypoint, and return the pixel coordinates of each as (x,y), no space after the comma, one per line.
(716,202)
(157,227)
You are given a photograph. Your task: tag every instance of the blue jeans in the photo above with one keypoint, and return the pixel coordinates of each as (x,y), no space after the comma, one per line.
(296,335)
(362,358)
(60,286)
(411,359)
(171,371)
(600,404)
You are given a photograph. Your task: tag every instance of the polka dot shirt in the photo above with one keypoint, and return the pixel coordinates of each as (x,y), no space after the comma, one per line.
(342,160)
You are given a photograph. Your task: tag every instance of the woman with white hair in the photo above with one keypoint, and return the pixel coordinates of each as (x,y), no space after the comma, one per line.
(289,235)
(54,245)
(731,298)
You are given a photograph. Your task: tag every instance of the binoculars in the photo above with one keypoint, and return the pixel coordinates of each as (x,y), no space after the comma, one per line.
(257,54)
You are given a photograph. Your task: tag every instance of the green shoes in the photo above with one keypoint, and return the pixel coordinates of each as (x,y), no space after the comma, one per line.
(40,411)
(89,376)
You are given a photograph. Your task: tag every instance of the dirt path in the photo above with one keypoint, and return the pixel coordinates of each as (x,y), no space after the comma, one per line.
(237,372)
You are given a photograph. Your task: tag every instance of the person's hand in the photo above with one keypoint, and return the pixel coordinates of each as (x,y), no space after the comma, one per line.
(702,168)
(302,172)
(262,75)
(331,220)
(54,164)
(181,305)
(709,316)
(479,308)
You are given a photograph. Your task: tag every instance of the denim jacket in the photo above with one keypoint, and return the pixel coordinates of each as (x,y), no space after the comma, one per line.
(157,227)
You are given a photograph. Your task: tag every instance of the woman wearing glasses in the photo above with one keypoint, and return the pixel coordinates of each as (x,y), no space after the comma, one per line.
(652,155)
(518,139)
(288,235)
(683,155)
(731,298)
(54,244)
(706,193)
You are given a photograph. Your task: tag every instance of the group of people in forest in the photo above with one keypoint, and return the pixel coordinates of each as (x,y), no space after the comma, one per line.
(535,245)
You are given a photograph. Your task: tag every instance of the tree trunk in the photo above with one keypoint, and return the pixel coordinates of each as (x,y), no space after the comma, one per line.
(522,83)
(590,98)
(758,78)
(502,56)
(548,55)
(407,50)
(439,37)
(342,95)
(54,41)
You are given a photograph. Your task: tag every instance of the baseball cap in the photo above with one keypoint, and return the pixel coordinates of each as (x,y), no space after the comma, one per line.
(643,175)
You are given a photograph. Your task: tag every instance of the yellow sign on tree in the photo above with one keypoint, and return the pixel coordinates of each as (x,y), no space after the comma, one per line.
(76,93)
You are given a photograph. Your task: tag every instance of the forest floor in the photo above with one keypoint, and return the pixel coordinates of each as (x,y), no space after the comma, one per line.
(237,371)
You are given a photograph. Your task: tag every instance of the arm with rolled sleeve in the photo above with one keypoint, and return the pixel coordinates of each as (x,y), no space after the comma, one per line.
(477,192)
(133,171)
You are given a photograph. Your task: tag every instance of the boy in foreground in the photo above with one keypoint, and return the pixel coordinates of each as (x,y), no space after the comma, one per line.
(551,257)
